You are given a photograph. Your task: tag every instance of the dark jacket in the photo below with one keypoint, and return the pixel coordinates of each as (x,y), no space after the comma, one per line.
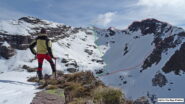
(43,45)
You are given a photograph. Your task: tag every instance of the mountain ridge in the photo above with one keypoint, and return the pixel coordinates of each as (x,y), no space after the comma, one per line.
(149,44)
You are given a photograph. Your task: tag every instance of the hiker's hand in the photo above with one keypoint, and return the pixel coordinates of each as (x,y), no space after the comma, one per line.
(35,57)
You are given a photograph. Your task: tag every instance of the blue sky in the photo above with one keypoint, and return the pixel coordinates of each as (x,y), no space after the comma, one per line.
(102,13)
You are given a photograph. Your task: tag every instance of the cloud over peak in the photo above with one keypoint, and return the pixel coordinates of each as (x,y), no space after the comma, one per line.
(161,3)
(105,19)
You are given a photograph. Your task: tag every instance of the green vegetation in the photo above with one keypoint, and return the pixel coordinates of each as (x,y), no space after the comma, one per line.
(58,92)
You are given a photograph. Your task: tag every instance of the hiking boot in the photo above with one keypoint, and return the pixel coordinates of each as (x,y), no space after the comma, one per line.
(39,73)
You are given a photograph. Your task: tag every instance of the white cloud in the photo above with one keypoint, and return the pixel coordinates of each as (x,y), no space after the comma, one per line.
(105,19)
(162,3)
(171,11)
(167,10)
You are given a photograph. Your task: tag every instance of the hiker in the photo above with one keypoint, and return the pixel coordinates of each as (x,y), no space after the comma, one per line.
(43,51)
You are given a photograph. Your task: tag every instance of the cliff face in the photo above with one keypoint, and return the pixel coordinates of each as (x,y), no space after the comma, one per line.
(16,41)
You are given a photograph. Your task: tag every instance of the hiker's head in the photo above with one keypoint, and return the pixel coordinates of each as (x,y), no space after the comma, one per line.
(43,31)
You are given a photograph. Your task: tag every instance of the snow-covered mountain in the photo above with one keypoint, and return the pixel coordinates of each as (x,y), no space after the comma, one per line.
(74,47)
(146,59)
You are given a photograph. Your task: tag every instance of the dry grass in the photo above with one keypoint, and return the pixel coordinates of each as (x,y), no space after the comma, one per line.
(75,90)
(52,81)
(105,95)
(50,87)
(82,87)
(80,77)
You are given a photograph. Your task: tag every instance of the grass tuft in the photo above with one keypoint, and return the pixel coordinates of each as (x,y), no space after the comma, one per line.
(108,95)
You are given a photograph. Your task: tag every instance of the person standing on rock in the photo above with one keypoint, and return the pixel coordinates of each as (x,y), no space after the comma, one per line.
(43,51)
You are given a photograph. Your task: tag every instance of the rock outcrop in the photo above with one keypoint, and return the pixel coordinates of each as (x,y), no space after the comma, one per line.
(159,80)
(16,41)
(176,62)
(6,50)
(77,88)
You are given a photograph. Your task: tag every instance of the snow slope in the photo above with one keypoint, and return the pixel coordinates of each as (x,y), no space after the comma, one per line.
(125,69)
(24,28)
(13,84)
(15,89)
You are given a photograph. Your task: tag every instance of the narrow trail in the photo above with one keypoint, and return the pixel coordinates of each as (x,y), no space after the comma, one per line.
(129,68)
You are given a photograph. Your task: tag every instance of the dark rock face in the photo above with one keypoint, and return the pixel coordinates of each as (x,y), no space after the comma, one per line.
(159,80)
(100,71)
(125,49)
(16,41)
(111,32)
(148,26)
(64,60)
(31,20)
(7,52)
(98,61)
(71,65)
(160,47)
(176,62)
(72,70)
(72,62)
(89,52)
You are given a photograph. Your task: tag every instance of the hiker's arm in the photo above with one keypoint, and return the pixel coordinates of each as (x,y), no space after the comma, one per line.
(32,45)
(49,45)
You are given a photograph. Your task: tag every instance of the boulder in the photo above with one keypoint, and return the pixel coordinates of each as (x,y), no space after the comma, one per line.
(72,70)
(29,69)
(7,51)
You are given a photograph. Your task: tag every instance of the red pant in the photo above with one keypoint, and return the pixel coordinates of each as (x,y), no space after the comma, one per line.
(41,58)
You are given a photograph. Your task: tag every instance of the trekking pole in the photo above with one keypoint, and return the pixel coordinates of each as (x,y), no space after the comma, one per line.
(55,67)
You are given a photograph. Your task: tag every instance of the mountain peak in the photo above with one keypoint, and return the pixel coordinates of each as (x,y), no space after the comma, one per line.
(149,26)
(111,28)
(31,19)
